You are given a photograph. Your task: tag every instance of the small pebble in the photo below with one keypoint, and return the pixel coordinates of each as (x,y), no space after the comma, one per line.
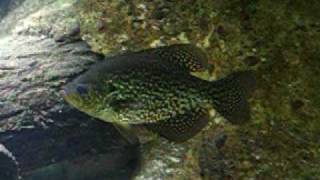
(220,30)
(221,140)
(297,104)
(100,25)
(251,60)
(60,37)
(158,14)
(74,29)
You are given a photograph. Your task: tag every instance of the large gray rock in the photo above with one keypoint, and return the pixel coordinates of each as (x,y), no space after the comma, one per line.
(42,137)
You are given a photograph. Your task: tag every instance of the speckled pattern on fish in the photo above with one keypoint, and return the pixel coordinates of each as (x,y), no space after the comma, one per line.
(154,88)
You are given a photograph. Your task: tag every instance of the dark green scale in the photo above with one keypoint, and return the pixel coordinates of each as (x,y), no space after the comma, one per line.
(153,94)
(154,88)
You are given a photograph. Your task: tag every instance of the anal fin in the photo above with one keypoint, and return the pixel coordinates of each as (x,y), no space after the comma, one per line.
(182,127)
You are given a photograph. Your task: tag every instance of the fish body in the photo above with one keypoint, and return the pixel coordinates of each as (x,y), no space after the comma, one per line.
(154,88)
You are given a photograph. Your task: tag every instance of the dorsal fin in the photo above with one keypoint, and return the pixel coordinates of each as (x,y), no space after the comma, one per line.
(182,127)
(185,56)
(167,59)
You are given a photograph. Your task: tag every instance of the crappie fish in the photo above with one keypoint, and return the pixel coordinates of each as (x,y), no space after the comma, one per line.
(154,88)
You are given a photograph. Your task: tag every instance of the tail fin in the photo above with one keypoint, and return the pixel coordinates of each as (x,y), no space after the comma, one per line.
(231,93)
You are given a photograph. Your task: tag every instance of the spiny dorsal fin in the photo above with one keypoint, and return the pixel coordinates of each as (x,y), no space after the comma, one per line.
(167,59)
(185,56)
(182,127)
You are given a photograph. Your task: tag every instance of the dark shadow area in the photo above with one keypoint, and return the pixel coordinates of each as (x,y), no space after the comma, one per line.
(8,167)
(84,148)
(6,5)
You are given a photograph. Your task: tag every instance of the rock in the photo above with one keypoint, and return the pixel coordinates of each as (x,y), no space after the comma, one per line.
(82,150)
(4,5)
(44,137)
(211,158)
(71,34)
(158,14)
(8,165)
(220,30)
(297,104)
(100,25)
(74,29)
(251,60)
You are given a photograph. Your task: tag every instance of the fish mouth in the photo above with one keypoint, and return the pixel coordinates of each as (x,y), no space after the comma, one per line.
(65,92)
(67,96)
(71,96)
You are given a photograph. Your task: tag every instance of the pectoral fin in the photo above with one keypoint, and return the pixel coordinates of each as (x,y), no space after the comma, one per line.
(127,133)
(182,127)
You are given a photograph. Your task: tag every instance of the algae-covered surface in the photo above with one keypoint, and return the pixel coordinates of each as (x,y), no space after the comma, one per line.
(280,40)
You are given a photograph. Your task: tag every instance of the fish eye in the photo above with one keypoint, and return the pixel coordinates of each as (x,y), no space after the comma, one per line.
(82,90)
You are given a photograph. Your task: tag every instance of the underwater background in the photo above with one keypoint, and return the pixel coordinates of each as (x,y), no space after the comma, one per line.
(45,44)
